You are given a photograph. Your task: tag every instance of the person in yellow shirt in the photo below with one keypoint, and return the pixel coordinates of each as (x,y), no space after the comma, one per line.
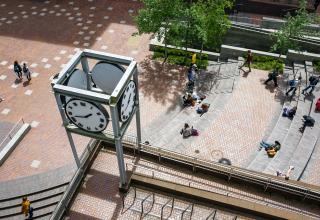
(194,58)
(25,205)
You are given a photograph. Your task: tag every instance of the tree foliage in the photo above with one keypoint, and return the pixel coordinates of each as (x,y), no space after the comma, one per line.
(184,23)
(292,28)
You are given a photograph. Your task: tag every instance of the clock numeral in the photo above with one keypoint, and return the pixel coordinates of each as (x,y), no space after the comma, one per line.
(100,125)
(101,120)
(74,119)
(88,128)
(124,96)
(96,128)
(98,113)
(82,104)
(74,103)
(69,113)
(81,125)
(91,108)
(127,89)
(70,107)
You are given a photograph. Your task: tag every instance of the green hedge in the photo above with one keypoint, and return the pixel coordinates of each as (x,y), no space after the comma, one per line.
(267,63)
(316,65)
(180,57)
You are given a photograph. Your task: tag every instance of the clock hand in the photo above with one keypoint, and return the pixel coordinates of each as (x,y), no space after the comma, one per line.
(81,116)
(128,102)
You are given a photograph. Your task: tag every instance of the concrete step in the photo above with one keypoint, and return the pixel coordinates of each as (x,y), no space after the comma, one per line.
(38,206)
(293,137)
(279,132)
(168,135)
(51,192)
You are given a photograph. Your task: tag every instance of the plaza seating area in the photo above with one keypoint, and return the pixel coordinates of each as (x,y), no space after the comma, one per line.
(297,147)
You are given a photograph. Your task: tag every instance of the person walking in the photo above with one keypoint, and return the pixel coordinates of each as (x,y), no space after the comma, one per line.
(294,85)
(194,58)
(17,69)
(25,205)
(26,71)
(313,81)
(273,76)
(248,61)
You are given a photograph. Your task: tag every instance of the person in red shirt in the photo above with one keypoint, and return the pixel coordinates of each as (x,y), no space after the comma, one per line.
(248,60)
(318,105)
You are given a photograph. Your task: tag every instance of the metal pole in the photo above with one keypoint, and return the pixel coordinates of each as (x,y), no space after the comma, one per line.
(85,67)
(138,125)
(65,122)
(73,148)
(119,149)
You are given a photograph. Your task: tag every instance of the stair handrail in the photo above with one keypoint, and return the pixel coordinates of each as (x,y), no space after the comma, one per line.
(10,133)
(185,210)
(142,202)
(212,214)
(172,204)
(126,195)
(238,172)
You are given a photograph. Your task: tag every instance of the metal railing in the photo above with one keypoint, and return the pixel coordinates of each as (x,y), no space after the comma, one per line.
(256,22)
(11,133)
(212,215)
(126,195)
(142,207)
(230,171)
(217,189)
(187,210)
(167,204)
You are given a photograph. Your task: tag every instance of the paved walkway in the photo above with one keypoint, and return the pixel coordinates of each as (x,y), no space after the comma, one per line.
(46,34)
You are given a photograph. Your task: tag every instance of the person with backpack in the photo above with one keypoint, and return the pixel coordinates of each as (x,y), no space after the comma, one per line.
(313,81)
(294,85)
(273,76)
(26,71)
(17,69)
(25,205)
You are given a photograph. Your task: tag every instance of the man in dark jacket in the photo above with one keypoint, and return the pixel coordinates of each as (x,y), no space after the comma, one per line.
(313,81)
(273,76)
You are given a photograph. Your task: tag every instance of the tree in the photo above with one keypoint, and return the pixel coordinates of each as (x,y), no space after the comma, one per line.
(157,16)
(291,30)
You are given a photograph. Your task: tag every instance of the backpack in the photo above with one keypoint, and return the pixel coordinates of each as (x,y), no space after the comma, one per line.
(312,78)
(291,83)
(308,120)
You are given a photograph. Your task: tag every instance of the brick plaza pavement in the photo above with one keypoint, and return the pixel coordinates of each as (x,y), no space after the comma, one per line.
(46,34)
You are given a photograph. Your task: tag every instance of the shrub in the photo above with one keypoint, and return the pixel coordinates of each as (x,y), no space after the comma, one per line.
(267,63)
(180,57)
(316,65)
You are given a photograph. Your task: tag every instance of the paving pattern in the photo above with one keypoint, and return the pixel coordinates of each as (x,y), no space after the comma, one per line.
(31,30)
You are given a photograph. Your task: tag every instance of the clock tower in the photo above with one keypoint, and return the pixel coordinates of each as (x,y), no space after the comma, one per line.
(92,87)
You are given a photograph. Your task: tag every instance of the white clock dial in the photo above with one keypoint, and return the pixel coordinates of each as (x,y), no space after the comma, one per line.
(87,115)
(128,101)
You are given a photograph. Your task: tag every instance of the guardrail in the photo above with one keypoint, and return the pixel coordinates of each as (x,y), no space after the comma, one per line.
(246,20)
(11,133)
(217,189)
(231,172)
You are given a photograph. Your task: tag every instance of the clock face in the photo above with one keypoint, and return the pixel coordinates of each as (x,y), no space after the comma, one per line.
(87,115)
(128,101)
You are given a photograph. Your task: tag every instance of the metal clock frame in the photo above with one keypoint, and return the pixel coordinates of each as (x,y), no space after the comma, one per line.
(97,96)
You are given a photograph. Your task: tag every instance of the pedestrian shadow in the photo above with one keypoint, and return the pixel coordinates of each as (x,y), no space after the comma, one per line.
(245,74)
(26,83)
(17,81)
(206,81)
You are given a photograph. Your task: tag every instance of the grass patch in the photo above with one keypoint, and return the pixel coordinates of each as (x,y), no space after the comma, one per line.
(316,65)
(180,57)
(267,63)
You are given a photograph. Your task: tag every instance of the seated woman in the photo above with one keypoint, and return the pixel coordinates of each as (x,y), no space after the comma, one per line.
(271,152)
(188,131)
(267,146)
(203,108)
(188,100)
(290,113)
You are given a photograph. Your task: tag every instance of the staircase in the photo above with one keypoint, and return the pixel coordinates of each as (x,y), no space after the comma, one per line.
(44,191)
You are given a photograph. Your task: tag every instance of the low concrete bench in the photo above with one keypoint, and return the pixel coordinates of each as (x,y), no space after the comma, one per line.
(6,151)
